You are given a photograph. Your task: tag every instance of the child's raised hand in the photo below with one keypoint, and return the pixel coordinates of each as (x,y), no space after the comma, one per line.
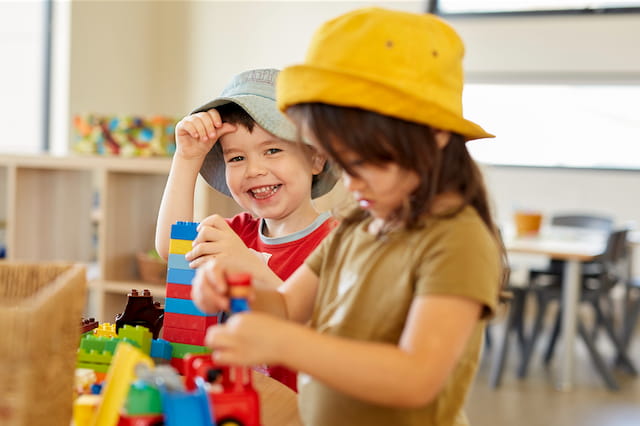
(216,239)
(197,133)
(248,338)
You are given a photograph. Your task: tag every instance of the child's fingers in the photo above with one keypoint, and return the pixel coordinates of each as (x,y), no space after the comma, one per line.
(214,221)
(214,115)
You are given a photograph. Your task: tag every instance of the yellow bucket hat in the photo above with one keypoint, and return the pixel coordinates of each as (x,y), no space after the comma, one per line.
(400,64)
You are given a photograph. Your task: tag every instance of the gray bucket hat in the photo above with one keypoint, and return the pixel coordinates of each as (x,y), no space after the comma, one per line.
(254,91)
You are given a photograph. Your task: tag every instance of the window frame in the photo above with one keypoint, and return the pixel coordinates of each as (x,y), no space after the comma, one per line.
(433,7)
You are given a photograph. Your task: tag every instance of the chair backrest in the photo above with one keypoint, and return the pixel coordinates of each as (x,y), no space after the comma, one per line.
(583,221)
(613,259)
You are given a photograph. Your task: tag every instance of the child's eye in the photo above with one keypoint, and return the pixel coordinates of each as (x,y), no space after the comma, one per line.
(272,151)
(235,159)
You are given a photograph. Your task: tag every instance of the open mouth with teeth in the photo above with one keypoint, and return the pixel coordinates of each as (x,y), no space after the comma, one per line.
(264,192)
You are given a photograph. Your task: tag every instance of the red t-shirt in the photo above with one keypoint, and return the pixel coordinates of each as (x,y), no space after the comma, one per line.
(283,255)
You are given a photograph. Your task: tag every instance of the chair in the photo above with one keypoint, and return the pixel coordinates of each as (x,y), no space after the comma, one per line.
(632,313)
(603,275)
(556,267)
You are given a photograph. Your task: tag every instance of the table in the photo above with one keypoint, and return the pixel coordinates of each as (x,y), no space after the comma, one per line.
(574,246)
(278,403)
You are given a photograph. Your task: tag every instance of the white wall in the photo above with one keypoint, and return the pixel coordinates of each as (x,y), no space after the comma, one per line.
(168,57)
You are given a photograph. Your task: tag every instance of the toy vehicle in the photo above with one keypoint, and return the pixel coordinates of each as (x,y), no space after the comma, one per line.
(233,398)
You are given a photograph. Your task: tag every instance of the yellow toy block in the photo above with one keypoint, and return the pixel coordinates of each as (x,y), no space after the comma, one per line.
(180,246)
(105,330)
(84,407)
(118,380)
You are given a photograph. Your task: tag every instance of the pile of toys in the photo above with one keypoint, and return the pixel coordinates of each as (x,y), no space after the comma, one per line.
(127,136)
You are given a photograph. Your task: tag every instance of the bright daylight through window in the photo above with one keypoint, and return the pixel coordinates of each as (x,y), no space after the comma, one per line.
(556,126)
(491,6)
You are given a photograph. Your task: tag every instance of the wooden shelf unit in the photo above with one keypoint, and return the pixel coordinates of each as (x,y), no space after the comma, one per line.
(48,206)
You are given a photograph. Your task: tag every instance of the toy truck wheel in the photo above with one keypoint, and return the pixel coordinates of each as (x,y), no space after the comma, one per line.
(230,422)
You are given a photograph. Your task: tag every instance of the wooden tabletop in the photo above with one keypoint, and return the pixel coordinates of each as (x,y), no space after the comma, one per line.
(560,242)
(278,403)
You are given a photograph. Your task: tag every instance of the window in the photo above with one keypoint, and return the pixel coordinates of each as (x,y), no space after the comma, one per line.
(447,7)
(554,125)
(24,47)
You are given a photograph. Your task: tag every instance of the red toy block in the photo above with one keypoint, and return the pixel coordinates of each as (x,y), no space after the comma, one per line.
(181,335)
(178,364)
(188,322)
(144,420)
(179,291)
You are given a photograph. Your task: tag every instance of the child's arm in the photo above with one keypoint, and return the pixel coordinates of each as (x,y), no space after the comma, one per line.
(195,136)
(407,375)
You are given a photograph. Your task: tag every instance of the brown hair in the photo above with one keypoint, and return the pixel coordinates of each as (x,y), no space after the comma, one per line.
(234,114)
(378,139)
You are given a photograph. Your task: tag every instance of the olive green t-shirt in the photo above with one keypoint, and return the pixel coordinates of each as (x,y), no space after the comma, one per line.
(366,288)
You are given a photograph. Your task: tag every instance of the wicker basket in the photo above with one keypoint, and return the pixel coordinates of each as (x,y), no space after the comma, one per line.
(40,310)
(152,269)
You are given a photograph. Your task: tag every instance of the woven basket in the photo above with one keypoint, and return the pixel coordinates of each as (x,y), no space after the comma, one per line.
(152,269)
(41,307)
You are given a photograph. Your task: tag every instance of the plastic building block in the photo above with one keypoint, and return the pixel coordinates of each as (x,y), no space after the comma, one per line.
(178,291)
(177,261)
(118,379)
(184,230)
(161,348)
(239,287)
(105,330)
(143,399)
(182,306)
(180,276)
(142,310)
(189,322)
(187,408)
(180,335)
(138,334)
(180,246)
(87,325)
(141,420)
(84,408)
(182,349)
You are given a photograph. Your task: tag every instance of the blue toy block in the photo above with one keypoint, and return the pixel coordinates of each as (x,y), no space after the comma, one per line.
(187,408)
(177,261)
(161,348)
(238,305)
(180,276)
(183,306)
(184,230)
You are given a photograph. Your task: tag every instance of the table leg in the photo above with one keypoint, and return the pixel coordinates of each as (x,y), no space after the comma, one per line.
(570,303)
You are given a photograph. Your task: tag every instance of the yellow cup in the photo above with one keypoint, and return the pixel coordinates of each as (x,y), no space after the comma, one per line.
(527,222)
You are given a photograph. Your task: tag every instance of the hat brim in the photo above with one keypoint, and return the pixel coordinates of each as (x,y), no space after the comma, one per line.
(266,115)
(305,83)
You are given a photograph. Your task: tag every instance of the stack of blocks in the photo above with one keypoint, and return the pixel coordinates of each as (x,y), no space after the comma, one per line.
(185,326)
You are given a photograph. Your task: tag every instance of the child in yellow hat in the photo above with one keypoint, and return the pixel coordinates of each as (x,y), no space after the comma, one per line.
(385,319)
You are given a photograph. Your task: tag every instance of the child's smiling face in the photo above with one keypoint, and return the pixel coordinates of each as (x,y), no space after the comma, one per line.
(268,176)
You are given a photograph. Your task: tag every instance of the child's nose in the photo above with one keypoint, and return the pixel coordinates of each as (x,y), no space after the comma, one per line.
(255,167)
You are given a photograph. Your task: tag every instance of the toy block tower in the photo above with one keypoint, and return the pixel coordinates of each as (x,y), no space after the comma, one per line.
(185,326)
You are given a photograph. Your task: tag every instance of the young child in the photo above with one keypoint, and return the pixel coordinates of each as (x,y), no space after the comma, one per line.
(244,147)
(385,318)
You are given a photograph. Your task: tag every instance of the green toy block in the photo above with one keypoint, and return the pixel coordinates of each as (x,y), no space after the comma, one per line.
(181,349)
(143,399)
(139,334)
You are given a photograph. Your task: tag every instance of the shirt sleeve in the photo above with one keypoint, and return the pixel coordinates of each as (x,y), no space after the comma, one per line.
(462,260)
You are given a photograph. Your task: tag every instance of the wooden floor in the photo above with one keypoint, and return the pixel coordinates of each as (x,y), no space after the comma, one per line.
(534,401)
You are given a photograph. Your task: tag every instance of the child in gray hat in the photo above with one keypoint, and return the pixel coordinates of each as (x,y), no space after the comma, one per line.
(244,147)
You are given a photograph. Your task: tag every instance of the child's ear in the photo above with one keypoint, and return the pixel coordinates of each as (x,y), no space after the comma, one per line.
(318,161)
